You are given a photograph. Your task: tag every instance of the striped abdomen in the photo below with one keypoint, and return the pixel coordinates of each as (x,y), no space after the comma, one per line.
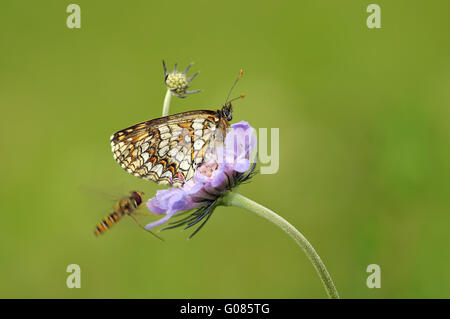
(107,223)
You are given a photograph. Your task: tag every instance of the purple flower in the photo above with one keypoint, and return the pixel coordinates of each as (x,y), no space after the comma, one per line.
(226,167)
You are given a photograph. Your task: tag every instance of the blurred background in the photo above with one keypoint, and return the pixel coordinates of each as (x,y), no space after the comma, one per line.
(364,146)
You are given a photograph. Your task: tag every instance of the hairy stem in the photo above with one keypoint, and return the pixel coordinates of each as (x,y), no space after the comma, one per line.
(235,199)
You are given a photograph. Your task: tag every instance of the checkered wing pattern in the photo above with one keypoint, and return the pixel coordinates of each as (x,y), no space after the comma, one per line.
(167,150)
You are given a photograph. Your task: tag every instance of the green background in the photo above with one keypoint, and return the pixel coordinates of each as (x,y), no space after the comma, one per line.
(364,146)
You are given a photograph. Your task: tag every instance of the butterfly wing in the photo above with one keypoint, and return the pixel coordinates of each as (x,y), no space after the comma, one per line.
(168,149)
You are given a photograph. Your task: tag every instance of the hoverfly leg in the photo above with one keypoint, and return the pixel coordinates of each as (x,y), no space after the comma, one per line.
(140,225)
(143,214)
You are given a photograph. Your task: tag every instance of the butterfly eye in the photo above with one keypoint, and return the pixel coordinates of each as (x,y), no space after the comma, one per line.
(227,111)
(230,113)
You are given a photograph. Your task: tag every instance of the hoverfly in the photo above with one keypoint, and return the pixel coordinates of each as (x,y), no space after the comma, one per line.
(125,206)
(168,149)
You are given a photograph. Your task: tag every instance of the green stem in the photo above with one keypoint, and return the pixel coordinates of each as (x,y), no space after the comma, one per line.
(235,199)
(166,105)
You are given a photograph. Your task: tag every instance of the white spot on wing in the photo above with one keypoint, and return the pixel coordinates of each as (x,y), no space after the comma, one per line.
(145,147)
(198,160)
(163,150)
(177,131)
(198,144)
(157,169)
(173,152)
(122,147)
(167,174)
(179,156)
(189,174)
(149,165)
(165,136)
(163,143)
(145,156)
(163,129)
(184,165)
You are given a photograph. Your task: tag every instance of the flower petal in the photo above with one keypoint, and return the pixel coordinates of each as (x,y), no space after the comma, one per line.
(159,222)
(241,165)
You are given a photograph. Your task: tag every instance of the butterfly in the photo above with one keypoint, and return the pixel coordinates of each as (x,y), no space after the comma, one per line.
(168,149)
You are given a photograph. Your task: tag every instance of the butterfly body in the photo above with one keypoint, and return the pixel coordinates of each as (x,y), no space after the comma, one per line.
(168,149)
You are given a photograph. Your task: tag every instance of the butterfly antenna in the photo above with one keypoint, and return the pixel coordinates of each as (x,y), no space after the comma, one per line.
(236,98)
(234,84)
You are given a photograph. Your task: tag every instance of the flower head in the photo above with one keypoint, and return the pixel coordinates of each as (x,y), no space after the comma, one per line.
(226,167)
(177,82)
